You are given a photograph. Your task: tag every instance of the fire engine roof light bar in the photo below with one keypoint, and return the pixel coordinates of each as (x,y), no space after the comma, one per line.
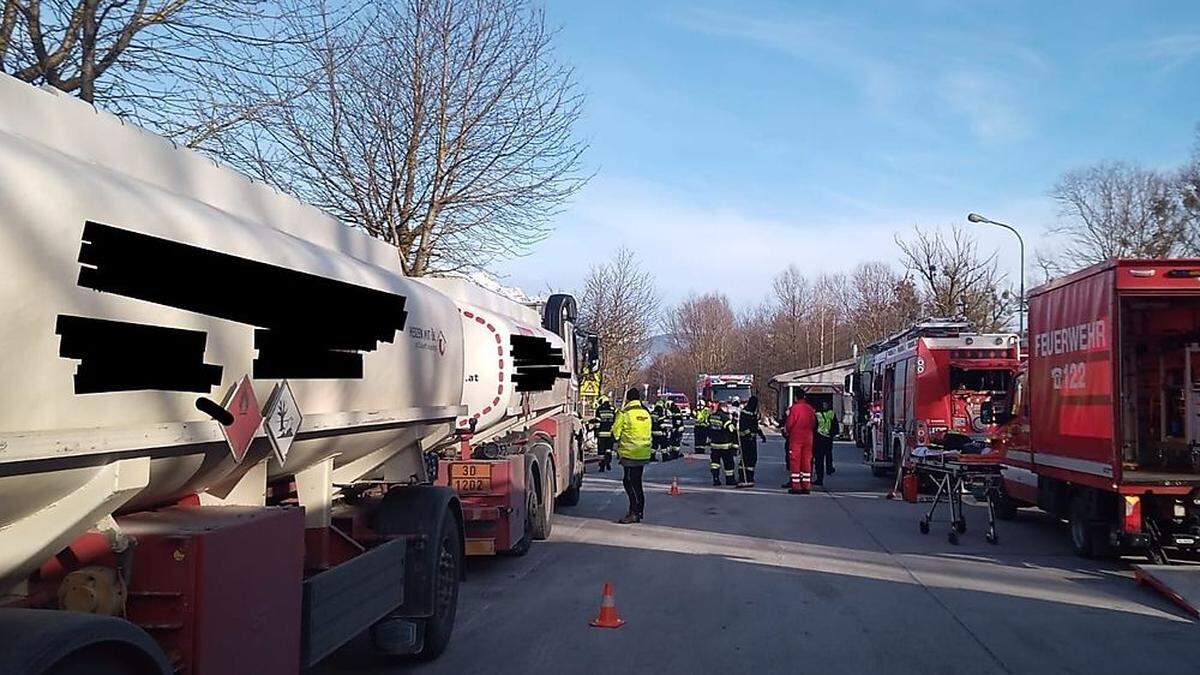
(976,218)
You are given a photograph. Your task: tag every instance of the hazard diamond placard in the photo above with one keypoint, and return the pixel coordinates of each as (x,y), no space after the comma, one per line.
(247,418)
(282,420)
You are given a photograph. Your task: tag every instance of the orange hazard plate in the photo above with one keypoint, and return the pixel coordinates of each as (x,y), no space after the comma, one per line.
(481,547)
(471,477)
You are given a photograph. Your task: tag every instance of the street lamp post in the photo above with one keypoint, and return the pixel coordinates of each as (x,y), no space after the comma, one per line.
(976,218)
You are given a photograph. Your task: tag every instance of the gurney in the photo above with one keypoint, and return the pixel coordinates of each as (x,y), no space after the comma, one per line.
(956,472)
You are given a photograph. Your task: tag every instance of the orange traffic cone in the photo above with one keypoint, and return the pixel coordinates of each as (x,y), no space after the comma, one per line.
(674,491)
(608,611)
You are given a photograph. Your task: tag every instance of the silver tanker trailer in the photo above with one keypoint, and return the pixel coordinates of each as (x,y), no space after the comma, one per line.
(224,412)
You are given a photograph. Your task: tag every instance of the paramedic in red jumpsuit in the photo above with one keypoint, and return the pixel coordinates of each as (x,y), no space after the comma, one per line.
(799,429)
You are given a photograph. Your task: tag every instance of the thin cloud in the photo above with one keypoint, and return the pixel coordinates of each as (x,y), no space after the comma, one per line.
(1172,50)
(988,103)
(698,246)
(820,41)
(903,79)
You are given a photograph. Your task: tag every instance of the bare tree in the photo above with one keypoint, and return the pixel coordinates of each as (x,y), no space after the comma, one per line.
(146,59)
(702,329)
(791,330)
(828,290)
(1115,210)
(956,279)
(668,371)
(757,350)
(878,302)
(805,323)
(1187,196)
(620,304)
(443,127)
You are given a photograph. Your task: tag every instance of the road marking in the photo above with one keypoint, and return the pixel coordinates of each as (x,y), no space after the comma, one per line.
(900,561)
(539,553)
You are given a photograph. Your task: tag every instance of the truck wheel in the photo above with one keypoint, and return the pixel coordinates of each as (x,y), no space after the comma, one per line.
(1006,508)
(1088,538)
(55,642)
(543,524)
(440,626)
(522,546)
(1081,531)
(570,496)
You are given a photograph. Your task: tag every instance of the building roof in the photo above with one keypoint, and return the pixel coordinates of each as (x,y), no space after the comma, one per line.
(830,373)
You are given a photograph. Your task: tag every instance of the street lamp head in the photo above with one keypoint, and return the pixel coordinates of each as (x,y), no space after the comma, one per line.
(976,218)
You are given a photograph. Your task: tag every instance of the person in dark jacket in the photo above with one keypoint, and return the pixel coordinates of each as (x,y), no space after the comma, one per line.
(676,428)
(605,414)
(722,437)
(660,420)
(749,433)
(700,427)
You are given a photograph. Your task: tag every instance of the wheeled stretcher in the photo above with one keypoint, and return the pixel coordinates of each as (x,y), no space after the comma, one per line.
(954,474)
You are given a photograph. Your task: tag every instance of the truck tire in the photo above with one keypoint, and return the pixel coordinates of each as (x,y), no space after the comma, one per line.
(440,626)
(1088,536)
(526,541)
(570,496)
(433,570)
(54,642)
(1006,508)
(560,308)
(543,522)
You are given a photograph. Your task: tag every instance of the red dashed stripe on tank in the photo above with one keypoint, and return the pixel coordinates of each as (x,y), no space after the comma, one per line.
(500,366)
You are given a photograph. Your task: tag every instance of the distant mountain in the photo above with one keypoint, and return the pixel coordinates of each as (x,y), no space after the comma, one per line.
(659,344)
(492,284)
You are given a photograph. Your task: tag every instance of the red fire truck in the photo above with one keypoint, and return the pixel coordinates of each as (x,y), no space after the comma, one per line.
(1103,428)
(711,388)
(932,379)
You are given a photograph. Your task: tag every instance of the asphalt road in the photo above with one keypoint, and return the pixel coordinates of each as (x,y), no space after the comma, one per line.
(724,580)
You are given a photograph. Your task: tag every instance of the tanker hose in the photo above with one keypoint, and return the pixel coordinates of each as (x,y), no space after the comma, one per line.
(490,450)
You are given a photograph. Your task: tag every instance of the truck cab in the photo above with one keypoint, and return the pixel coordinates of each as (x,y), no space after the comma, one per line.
(934,380)
(722,388)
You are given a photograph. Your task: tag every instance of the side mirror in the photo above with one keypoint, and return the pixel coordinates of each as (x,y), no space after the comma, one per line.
(593,355)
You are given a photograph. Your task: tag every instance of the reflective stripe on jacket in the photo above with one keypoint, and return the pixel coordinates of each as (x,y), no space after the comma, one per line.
(631,429)
(721,431)
(748,423)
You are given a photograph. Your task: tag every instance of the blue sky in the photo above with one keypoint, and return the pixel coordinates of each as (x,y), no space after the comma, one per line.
(730,139)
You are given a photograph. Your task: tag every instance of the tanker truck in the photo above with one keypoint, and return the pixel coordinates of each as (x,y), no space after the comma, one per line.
(230,428)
